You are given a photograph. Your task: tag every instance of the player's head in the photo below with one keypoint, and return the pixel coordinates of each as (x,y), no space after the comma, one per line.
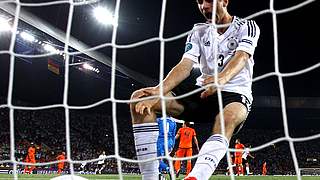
(103,152)
(32,143)
(206,8)
(186,124)
(63,153)
(237,141)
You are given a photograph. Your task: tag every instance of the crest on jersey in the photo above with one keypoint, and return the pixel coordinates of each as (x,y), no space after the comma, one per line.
(188,47)
(232,44)
(207,43)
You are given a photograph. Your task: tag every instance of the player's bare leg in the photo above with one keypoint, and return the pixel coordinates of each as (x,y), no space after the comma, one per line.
(248,169)
(234,114)
(26,170)
(32,167)
(145,129)
(215,148)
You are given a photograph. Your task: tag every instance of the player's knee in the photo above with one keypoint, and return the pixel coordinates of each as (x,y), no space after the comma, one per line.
(229,121)
(132,107)
(134,94)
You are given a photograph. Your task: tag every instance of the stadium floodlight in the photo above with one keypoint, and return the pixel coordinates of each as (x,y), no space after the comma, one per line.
(49,48)
(27,36)
(4,24)
(91,68)
(87,66)
(104,16)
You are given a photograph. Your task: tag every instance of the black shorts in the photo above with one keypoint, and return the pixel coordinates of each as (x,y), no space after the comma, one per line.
(205,110)
(244,161)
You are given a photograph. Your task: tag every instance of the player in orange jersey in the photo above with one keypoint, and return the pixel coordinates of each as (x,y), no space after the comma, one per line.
(238,157)
(30,159)
(264,168)
(61,157)
(186,135)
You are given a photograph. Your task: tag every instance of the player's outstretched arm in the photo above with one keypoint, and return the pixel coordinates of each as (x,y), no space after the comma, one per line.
(178,135)
(196,143)
(251,156)
(177,74)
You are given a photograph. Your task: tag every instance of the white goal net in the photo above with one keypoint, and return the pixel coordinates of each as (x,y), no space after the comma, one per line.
(70,48)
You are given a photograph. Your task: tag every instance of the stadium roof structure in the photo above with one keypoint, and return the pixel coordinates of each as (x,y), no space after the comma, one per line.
(76,44)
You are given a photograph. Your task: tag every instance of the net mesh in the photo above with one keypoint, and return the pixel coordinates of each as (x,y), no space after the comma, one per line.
(112,98)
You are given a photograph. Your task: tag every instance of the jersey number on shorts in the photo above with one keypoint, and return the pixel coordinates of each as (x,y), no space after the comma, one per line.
(246,101)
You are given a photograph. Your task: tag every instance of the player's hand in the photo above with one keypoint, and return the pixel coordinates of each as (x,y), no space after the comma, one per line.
(146,105)
(144,92)
(209,90)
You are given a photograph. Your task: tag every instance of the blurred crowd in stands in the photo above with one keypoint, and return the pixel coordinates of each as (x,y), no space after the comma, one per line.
(92,132)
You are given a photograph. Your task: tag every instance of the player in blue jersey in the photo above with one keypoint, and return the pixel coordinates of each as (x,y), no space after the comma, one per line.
(171,132)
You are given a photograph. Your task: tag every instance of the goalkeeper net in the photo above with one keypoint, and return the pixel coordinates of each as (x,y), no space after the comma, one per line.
(70,48)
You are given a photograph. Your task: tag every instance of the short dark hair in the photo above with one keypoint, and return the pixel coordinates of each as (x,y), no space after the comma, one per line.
(187,123)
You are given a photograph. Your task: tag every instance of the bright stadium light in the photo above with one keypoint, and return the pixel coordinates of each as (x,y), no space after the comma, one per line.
(104,16)
(91,68)
(49,48)
(87,66)
(28,37)
(4,24)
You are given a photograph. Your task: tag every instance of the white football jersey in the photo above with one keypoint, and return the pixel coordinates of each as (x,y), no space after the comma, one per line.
(206,47)
(245,153)
(83,164)
(101,157)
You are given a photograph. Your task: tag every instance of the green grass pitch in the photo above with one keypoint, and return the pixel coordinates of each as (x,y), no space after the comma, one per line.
(136,177)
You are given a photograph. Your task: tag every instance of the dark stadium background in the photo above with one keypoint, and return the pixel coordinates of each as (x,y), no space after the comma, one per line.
(298,46)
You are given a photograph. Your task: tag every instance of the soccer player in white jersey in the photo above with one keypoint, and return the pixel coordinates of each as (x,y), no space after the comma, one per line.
(245,156)
(101,162)
(236,42)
